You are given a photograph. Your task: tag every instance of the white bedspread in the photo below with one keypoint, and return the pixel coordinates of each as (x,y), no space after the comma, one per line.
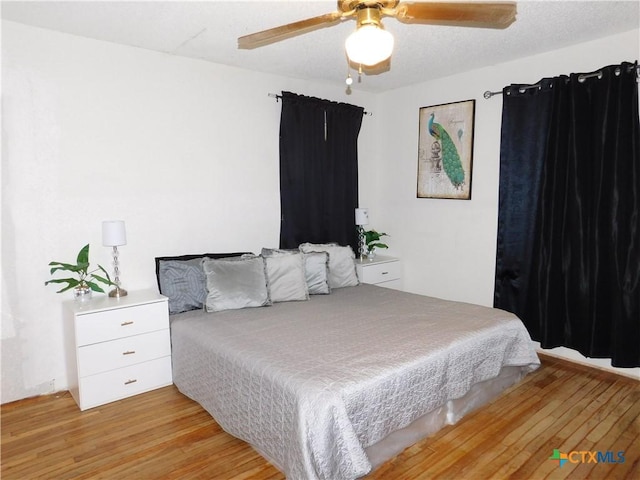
(312,384)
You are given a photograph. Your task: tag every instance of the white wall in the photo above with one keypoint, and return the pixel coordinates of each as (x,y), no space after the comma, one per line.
(184,151)
(448,246)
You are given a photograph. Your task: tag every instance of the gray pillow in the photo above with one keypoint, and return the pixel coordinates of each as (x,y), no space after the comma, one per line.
(235,283)
(285,275)
(316,271)
(342,263)
(184,283)
(181,279)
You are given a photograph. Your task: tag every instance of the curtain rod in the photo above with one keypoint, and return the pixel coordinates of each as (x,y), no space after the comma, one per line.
(581,78)
(278,97)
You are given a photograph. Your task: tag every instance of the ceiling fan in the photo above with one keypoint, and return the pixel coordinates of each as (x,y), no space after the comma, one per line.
(370,44)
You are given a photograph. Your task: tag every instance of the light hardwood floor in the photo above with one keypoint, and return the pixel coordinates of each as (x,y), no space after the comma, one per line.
(164,435)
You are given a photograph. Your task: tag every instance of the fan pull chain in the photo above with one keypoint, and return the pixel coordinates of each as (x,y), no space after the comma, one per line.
(348,80)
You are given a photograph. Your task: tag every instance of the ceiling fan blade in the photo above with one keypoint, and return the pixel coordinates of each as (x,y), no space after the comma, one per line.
(283,32)
(463,14)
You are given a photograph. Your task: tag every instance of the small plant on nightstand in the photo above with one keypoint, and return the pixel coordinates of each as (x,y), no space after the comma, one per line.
(86,281)
(372,239)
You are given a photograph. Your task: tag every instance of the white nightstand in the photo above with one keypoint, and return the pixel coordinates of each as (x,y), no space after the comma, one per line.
(117,347)
(382,271)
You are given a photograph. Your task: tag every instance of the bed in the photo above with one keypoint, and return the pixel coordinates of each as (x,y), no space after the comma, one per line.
(331,387)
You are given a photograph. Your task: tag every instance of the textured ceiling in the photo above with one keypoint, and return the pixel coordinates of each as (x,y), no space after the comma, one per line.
(209,30)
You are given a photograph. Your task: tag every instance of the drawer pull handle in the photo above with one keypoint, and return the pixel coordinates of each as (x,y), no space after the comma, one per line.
(129,382)
(385,273)
(124,324)
(129,352)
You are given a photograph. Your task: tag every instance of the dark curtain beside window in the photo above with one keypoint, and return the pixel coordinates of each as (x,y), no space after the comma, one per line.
(318,171)
(568,253)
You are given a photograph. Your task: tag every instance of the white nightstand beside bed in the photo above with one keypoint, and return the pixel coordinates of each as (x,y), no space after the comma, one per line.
(382,271)
(117,347)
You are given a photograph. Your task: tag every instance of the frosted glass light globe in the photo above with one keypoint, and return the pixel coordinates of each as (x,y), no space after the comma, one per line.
(369,45)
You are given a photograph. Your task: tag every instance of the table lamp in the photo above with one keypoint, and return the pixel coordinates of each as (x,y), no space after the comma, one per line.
(114,235)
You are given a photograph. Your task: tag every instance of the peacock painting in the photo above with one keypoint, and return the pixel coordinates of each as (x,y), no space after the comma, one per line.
(450,156)
(445,149)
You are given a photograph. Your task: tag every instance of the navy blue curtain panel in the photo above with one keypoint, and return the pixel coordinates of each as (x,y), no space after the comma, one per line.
(568,251)
(318,171)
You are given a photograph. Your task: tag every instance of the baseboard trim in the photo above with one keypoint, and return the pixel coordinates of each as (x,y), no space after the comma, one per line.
(586,366)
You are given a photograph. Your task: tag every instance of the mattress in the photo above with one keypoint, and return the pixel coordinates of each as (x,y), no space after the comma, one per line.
(312,385)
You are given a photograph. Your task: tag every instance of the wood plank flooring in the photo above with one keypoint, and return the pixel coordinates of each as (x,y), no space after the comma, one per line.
(164,435)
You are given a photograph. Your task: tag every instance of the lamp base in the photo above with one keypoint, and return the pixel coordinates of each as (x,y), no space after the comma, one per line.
(362,243)
(118,292)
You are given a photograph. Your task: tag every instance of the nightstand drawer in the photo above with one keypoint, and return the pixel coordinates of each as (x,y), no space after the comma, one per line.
(380,272)
(122,322)
(101,357)
(123,382)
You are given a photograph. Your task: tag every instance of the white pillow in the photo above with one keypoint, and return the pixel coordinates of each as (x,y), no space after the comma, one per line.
(234,283)
(285,275)
(342,263)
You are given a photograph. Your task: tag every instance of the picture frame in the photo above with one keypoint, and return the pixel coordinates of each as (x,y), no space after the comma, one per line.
(445,150)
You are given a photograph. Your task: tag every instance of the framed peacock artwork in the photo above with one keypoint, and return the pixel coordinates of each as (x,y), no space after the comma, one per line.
(445,150)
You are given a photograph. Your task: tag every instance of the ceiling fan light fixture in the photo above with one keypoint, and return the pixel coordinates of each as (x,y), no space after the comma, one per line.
(369,45)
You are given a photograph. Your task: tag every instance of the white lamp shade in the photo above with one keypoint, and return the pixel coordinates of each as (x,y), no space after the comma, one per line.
(113,233)
(362,216)
(369,45)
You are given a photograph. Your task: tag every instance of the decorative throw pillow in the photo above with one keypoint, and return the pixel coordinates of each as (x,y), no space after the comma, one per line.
(235,283)
(316,271)
(183,283)
(182,280)
(342,263)
(285,275)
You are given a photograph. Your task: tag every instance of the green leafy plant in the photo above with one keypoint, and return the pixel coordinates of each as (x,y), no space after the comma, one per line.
(372,239)
(85,278)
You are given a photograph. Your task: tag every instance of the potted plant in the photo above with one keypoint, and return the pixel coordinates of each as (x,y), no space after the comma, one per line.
(372,239)
(85,281)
